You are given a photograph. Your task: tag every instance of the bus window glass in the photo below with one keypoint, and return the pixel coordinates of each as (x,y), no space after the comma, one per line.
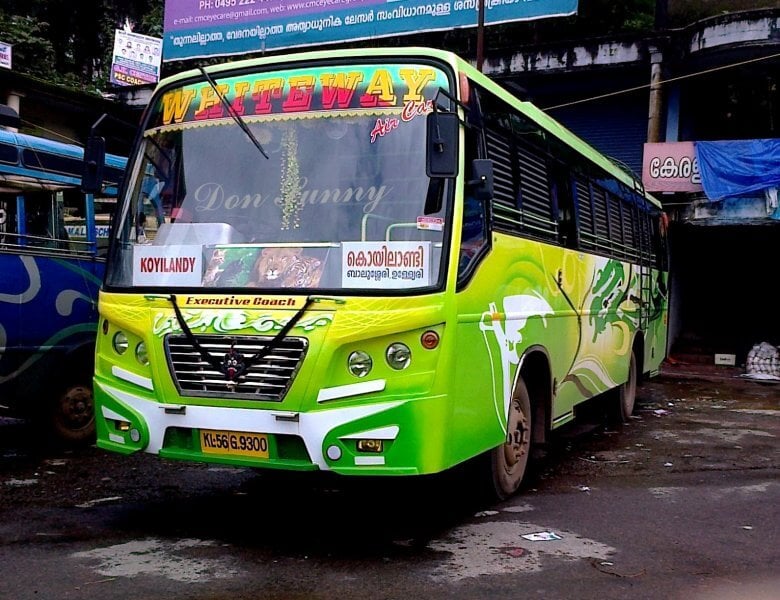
(8,229)
(45,220)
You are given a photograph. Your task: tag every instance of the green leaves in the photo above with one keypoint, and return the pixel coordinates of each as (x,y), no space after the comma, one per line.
(33,53)
(71,43)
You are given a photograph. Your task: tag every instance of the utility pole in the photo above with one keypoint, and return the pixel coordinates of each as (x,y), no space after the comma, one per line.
(654,110)
(481,35)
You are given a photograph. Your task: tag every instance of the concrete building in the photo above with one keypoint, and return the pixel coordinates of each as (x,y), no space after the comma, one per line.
(65,115)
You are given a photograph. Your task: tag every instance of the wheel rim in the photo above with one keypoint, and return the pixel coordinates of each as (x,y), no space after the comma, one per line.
(75,408)
(514,457)
(629,395)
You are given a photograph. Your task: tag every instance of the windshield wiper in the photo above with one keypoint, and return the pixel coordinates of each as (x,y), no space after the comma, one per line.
(232,112)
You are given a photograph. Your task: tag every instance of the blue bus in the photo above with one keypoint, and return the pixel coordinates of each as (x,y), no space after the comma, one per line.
(52,241)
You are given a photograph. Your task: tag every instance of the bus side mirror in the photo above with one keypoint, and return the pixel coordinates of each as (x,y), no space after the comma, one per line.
(481,185)
(94,162)
(441,156)
(441,151)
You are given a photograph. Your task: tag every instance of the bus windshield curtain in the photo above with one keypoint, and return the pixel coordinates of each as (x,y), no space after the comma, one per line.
(738,168)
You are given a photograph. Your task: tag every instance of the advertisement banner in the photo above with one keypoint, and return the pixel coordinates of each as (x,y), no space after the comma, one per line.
(671,167)
(136,59)
(200,28)
(5,55)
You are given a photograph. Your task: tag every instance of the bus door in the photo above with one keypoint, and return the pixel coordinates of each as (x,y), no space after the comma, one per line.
(17,284)
(8,229)
(646,265)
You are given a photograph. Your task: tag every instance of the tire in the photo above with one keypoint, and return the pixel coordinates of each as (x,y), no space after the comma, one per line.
(72,415)
(624,397)
(509,461)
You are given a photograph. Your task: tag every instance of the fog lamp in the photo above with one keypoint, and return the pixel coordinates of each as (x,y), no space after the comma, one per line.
(398,356)
(333,452)
(359,363)
(120,342)
(141,355)
(370,446)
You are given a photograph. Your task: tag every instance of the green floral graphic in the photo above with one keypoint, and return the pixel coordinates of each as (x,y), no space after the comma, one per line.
(225,321)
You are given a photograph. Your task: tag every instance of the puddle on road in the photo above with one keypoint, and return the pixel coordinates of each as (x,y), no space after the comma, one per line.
(497,548)
(175,560)
(697,437)
(673,493)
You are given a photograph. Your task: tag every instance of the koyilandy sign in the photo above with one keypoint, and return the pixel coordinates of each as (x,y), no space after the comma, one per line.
(200,28)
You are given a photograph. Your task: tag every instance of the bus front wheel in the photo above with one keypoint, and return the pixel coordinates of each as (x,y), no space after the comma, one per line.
(509,461)
(72,414)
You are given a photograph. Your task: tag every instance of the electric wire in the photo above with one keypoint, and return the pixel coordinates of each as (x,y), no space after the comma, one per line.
(663,81)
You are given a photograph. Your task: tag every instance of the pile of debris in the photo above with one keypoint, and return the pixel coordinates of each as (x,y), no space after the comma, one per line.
(763,362)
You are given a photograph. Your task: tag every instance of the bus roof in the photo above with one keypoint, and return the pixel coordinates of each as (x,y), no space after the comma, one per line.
(31,162)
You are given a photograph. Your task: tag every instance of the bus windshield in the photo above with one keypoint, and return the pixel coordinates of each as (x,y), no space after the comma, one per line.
(331,199)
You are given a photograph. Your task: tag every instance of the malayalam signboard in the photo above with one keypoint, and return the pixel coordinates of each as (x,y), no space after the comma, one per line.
(385,265)
(671,167)
(5,55)
(199,28)
(137,58)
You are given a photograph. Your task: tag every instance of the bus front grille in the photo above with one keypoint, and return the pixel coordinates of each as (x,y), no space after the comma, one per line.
(267,379)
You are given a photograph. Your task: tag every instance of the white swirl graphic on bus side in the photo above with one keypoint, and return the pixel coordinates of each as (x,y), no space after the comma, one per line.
(34,276)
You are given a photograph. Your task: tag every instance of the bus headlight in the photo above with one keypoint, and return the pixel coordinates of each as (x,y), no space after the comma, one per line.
(359,363)
(398,356)
(120,342)
(141,355)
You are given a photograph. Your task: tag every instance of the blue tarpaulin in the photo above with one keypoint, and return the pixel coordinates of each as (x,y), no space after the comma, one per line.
(738,168)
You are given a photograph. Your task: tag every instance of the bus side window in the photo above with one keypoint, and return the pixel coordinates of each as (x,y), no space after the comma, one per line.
(45,224)
(474,233)
(8,231)
(38,219)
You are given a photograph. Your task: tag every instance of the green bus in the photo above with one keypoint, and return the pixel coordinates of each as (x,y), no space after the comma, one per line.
(369,262)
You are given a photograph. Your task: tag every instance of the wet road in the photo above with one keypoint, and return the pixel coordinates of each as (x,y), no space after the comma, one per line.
(680,503)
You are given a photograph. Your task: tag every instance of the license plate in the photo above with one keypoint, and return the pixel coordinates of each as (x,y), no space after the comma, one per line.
(234,443)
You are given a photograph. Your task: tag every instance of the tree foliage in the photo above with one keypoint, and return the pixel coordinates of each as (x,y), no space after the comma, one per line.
(71,43)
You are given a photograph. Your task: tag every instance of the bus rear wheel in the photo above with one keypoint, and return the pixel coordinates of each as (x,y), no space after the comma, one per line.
(509,461)
(624,397)
(72,415)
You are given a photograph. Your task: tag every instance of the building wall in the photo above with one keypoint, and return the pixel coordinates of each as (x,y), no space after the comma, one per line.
(65,115)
